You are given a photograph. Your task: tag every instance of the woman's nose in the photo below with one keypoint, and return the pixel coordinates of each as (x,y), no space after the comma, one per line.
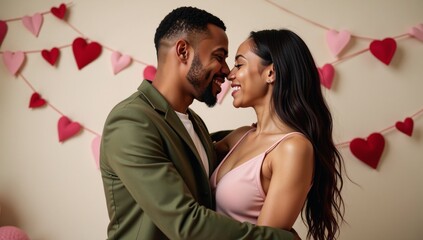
(231,75)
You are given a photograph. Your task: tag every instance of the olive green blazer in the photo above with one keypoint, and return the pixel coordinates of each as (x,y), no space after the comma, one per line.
(154,182)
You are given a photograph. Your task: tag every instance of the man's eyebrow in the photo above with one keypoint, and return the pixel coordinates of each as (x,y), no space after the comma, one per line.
(222,50)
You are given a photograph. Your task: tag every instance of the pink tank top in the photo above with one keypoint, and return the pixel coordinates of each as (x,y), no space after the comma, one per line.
(239,193)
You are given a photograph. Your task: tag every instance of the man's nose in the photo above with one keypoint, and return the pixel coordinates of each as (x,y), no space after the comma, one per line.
(225,69)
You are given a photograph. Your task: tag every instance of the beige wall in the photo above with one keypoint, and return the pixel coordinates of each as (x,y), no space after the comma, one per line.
(53,190)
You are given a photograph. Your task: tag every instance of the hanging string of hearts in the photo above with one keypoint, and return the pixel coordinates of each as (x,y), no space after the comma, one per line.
(84,52)
(337,40)
(369,150)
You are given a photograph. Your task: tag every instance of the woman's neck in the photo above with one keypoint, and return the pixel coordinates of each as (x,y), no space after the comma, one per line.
(268,123)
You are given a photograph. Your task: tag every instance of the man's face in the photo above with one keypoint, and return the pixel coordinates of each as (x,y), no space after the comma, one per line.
(208,68)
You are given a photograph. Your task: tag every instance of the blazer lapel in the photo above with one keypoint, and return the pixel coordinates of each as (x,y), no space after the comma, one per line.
(159,103)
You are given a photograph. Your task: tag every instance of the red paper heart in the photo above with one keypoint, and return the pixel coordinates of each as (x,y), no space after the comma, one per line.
(149,72)
(36,101)
(3,31)
(67,128)
(60,11)
(85,53)
(50,56)
(326,73)
(368,151)
(384,50)
(406,126)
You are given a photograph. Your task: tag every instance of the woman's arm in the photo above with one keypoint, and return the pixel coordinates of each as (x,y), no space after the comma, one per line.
(290,167)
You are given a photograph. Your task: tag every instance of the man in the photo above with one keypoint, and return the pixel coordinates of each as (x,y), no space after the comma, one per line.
(156,153)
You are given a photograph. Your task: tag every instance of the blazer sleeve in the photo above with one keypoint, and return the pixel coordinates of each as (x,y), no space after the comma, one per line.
(133,148)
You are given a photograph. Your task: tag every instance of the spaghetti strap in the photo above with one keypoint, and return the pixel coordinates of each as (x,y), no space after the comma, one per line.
(282,138)
(214,175)
(237,143)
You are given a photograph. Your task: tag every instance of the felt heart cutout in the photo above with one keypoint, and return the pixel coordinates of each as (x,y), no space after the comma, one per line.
(225,87)
(85,53)
(119,62)
(3,31)
(383,50)
(33,23)
(59,12)
(67,128)
(149,72)
(368,151)
(406,126)
(36,101)
(327,74)
(337,40)
(50,56)
(95,147)
(416,32)
(13,61)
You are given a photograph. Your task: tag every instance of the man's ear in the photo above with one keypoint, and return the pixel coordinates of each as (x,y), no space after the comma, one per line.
(182,50)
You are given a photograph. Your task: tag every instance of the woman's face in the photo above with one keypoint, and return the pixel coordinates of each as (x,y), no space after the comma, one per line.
(249,78)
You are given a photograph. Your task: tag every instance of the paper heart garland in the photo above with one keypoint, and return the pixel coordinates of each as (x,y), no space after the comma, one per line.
(33,23)
(50,56)
(337,41)
(13,61)
(149,73)
(406,126)
(36,101)
(59,12)
(66,128)
(3,31)
(417,32)
(383,50)
(95,147)
(368,151)
(119,62)
(327,74)
(225,87)
(85,53)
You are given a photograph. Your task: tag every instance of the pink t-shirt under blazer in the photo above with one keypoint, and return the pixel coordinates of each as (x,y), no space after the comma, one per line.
(239,193)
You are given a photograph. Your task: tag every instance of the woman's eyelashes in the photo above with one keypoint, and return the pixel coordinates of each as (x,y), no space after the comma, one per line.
(238,66)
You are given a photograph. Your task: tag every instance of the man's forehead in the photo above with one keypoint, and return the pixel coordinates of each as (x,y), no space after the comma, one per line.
(216,39)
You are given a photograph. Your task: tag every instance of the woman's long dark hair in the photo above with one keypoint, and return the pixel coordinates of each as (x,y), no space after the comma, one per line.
(297,99)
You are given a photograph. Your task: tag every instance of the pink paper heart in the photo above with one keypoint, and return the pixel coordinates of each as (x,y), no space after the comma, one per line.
(384,50)
(337,40)
(406,127)
(225,87)
(327,73)
(119,62)
(95,147)
(3,31)
(417,32)
(13,61)
(33,23)
(66,128)
(149,72)
(36,101)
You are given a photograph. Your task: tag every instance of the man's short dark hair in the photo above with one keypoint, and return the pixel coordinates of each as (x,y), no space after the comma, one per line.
(185,20)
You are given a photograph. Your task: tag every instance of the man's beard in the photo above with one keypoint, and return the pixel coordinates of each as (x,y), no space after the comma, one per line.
(195,75)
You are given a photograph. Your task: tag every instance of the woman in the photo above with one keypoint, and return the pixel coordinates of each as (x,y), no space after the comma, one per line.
(287,161)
